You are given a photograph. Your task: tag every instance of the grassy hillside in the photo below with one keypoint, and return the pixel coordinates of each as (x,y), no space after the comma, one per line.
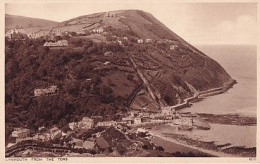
(27,23)
(133,76)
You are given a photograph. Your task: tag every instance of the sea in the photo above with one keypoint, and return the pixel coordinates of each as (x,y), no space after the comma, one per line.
(240,62)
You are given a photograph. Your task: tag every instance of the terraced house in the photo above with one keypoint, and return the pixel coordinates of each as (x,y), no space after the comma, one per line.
(46,91)
(60,43)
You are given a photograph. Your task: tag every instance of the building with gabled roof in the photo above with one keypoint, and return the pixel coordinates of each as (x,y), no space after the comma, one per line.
(140,41)
(73,125)
(77,142)
(98,30)
(20,133)
(46,91)
(55,133)
(59,43)
(86,123)
(148,40)
(107,123)
(70,134)
(88,145)
(102,144)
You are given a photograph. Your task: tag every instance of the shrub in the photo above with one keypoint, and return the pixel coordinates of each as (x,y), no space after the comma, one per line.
(130,77)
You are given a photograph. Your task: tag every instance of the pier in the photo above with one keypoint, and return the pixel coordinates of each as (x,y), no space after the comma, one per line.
(201,94)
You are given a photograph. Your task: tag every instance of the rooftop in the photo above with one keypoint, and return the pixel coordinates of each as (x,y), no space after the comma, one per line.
(102,143)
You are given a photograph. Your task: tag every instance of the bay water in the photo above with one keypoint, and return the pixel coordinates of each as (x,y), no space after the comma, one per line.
(240,61)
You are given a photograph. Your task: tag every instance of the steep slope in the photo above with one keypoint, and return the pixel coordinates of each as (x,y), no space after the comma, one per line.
(143,25)
(105,73)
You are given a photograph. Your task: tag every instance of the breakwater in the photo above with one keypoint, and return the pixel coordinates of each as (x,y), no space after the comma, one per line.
(202,94)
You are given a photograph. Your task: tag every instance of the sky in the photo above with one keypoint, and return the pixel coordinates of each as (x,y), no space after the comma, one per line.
(197,23)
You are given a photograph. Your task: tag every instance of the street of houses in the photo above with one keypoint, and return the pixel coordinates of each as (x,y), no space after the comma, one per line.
(73,136)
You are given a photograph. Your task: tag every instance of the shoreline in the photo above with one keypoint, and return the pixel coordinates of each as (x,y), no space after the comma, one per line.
(206,148)
(226,150)
(202,94)
(238,151)
(192,147)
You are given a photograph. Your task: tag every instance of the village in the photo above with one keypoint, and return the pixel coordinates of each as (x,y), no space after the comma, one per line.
(51,34)
(87,133)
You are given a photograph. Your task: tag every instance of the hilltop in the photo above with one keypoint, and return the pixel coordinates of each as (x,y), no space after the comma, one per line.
(27,23)
(115,62)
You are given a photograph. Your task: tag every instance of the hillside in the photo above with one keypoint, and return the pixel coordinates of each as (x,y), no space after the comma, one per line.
(105,73)
(27,23)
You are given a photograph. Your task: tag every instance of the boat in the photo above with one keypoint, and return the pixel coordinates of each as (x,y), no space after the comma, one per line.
(185,127)
(186,124)
(201,124)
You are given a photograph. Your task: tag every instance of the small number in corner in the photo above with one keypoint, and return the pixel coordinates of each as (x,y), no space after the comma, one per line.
(252,159)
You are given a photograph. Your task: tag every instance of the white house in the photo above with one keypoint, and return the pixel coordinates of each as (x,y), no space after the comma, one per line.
(42,137)
(10,144)
(172,47)
(73,125)
(50,90)
(55,32)
(111,14)
(86,123)
(108,53)
(20,133)
(63,43)
(140,41)
(107,123)
(120,42)
(59,43)
(125,38)
(148,40)
(55,133)
(98,30)
(106,63)
(41,128)
(10,33)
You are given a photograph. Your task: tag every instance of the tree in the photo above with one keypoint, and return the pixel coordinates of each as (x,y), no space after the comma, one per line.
(57,38)
(160,148)
(121,149)
(73,33)
(76,41)
(130,77)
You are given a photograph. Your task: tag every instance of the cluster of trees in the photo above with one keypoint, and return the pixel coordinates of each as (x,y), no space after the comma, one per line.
(29,65)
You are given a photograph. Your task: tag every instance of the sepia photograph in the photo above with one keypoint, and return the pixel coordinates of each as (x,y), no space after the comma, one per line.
(130,79)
